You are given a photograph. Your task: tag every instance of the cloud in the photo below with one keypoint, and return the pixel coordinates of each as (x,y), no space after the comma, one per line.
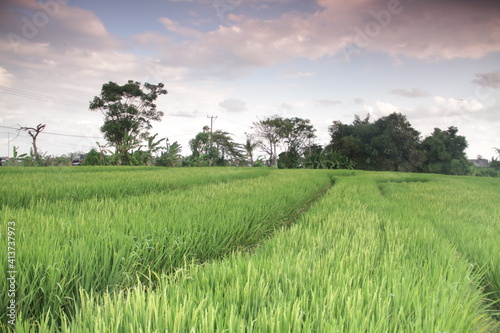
(358,100)
(426,30)
(328,102)
(450,110)
(283,108)
(382,109)
(423,29)
(296,75)
(490,80)
(6,78)
(233,105)
(458,106)
(174,26)
(411,93)
(151,38)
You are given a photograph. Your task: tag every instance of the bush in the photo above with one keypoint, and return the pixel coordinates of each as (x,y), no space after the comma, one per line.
(92,158)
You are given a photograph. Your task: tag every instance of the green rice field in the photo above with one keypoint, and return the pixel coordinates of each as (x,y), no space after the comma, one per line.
(144,249)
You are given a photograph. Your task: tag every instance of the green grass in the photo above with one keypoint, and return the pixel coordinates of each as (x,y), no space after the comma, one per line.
(379,252)
(465,211)
(109,244)
(26,186)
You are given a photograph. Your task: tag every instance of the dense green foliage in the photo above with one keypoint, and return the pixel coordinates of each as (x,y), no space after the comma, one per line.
(392,144)
(213,148)
(379,252)
(292,134)
(315,157)
(445,152)
(128,111)
(389,143)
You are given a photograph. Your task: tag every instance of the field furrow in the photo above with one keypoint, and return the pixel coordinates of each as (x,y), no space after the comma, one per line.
(100,245)
(377,252)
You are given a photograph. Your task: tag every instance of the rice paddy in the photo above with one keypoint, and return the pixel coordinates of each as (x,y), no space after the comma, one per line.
(251,250)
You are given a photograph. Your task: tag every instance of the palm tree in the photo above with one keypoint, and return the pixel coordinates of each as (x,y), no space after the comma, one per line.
(170,157)
(250,146)
(122,154)
(103,149)
(153,147)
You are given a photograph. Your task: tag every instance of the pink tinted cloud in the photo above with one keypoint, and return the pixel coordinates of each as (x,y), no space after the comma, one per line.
(427,30)
(54,23)
(175,27)
(54,44)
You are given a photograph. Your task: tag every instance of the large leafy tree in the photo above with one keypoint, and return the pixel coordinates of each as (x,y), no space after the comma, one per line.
(291,134)
(268,131)
(200,144)
(390,143)
(227,149)
(353,141)
(214,148)
(446,152)
(296,134)
(397,144)
(128,111)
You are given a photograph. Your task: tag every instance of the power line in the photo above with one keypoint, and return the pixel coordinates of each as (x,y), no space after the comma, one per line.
(74,136)
(10,127)
(61,134)
(40,97)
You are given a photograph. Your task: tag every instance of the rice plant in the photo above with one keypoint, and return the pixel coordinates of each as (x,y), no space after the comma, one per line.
(25,186)
(359,260)
(379,252)
(105,245)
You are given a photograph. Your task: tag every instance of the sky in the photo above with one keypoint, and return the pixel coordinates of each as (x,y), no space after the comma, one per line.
(437,62)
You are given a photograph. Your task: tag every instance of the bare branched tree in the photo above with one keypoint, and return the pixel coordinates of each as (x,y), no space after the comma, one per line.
(34,132)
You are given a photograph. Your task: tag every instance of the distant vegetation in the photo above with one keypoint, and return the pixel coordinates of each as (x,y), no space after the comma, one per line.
(389,143)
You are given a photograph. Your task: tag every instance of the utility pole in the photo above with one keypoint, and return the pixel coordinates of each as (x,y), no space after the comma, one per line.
(211,123)
(212,119)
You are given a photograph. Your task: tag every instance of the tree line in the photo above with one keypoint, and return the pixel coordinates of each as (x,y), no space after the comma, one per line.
(389,143)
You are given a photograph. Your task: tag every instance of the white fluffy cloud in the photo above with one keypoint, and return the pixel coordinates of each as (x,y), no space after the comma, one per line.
(233,105)
(411,93)
(5,77)
(382,109)
(458,106)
